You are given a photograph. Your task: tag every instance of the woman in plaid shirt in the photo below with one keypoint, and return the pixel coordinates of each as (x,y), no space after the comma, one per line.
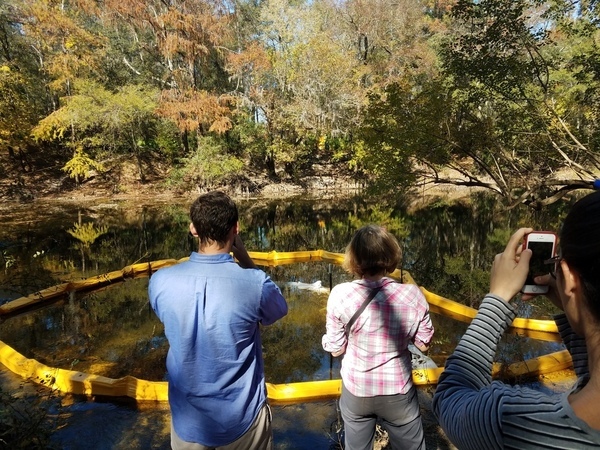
(376,369)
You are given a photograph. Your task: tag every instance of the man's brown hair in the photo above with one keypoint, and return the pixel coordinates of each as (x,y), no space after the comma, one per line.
(213,215)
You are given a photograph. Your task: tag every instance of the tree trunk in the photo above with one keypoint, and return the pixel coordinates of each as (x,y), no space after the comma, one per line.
(185,143)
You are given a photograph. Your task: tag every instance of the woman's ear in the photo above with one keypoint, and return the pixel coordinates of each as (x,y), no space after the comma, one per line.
(571,283)
(193,230)
(571,293)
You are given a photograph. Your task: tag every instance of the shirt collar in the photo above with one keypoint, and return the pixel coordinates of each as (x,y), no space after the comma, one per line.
(215,258)
(373,284)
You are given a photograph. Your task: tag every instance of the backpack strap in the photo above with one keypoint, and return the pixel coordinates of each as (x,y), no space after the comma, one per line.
(359,311)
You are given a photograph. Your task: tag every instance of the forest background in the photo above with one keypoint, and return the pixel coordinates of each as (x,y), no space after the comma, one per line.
(501,95)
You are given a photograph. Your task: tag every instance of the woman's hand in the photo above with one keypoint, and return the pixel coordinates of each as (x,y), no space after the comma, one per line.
(552,294)
(339,352)
(509,270)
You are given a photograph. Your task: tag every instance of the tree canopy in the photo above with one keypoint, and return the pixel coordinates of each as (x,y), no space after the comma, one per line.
(495,94)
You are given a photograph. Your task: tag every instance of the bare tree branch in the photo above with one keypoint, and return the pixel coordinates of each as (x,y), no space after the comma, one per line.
(569,161)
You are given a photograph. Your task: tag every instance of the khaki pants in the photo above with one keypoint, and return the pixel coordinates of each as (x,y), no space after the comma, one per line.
(258,437)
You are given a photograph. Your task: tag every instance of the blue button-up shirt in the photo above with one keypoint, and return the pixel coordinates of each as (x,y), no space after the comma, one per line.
(211,309)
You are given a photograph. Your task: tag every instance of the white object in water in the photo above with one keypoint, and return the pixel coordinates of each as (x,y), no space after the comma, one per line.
(317,286)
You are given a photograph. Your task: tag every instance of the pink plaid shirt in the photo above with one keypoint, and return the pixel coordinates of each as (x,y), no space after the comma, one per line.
(377,360)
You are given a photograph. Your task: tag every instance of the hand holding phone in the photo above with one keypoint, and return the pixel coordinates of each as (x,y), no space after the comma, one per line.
(543,247)
(510,268)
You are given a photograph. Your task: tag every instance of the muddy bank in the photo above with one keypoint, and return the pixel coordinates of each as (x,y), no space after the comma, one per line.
(327,181)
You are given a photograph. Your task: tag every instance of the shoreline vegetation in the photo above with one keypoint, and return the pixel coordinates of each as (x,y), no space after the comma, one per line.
(325,182)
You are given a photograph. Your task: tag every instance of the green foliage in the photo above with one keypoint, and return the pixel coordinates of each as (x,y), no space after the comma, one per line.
(495,45)
(401,127)
(168,140)
(516,81)
(501,114)
(101,123)
(99,118)
(208,165)
(23,97)
(385,217)
(249,139)
(20,102)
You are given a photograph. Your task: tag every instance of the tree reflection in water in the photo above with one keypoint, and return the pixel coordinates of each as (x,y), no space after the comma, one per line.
(448,248)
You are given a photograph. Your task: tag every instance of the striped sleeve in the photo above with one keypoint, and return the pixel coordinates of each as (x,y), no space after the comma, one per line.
(469,414)
(476,413)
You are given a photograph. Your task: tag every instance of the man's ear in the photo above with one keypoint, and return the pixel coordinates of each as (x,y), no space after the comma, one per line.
(193,230)
(233,231)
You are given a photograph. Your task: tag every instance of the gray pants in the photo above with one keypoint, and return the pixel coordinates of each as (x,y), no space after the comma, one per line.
(399,414)
(258,437)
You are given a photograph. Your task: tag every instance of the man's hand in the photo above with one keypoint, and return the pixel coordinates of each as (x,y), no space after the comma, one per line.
(241,254)
(509,270)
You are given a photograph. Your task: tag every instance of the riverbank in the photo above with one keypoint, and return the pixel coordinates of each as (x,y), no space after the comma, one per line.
(325,181)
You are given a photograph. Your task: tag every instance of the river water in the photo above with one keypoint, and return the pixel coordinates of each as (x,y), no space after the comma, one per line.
(448,248)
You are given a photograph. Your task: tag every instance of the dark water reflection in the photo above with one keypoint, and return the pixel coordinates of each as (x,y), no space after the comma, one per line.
(448,248)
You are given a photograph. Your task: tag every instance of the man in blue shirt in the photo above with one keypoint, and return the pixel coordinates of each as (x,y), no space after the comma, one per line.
(211,308)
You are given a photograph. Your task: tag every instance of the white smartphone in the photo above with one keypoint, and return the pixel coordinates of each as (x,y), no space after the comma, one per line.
(543,246)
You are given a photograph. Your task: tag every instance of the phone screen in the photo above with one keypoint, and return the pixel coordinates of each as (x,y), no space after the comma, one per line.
(541,251)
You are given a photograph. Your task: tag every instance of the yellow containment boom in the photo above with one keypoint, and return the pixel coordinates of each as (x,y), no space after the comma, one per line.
(437,303)
(74,382)
(69,381)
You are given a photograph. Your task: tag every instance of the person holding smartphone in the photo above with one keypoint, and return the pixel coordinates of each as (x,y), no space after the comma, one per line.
(478,413)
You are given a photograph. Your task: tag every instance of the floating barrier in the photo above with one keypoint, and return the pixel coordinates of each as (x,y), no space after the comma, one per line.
(74,382)
(70,381)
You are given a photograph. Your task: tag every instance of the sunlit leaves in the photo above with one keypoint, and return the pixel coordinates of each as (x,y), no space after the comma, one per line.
(23,97)
(392,38)
(186,37)
(19,111)
(283,85)
(81,165)
(501,114)
(314,76)
(65,38)
(87,233)
(185,32)
(96,120)
(192,110)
